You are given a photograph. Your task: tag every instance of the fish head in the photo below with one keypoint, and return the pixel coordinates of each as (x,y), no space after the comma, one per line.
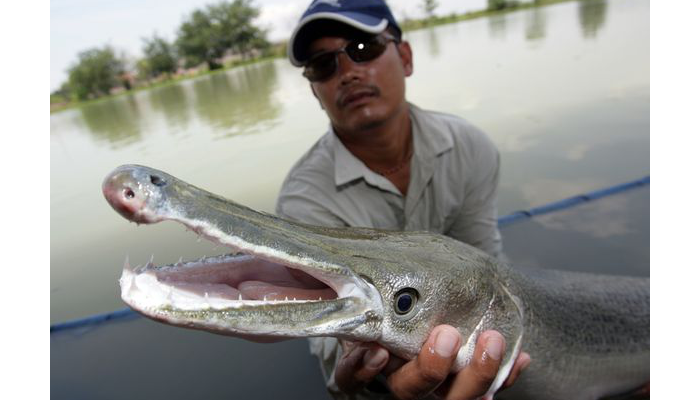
(425,280)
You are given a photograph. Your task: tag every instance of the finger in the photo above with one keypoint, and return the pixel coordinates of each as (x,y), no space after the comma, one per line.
(393,365)
(475,379)
(420,376)
(359,366)
(520,364)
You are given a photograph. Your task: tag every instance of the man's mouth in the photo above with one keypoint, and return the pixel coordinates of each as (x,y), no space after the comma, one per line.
(357,95)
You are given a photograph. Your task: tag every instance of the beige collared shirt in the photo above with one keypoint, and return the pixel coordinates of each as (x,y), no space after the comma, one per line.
(452,191)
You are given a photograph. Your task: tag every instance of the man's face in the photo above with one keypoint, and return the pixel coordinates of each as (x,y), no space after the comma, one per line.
(361,96)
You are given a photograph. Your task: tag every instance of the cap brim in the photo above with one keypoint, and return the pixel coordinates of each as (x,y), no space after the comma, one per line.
(362,22)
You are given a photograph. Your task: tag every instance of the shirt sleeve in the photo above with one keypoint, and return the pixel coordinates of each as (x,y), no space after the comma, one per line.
(477,221)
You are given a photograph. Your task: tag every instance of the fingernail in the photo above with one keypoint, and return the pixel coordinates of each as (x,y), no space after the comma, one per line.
(373,359)
(446,343)
(494,346)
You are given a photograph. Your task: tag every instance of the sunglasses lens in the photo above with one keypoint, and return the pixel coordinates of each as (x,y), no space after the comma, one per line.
(321,67)
(366,50)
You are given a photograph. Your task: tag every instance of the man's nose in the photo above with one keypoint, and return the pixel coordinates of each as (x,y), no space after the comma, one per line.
(348,69)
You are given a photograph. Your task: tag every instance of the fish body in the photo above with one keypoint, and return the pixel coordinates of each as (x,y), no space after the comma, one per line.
(588,335)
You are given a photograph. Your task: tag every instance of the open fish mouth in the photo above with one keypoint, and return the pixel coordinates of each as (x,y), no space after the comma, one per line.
(270,287)
(219,282)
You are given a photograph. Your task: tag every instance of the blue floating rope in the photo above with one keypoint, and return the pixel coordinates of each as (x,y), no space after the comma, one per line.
(571,201)
(94,320)
(505,220)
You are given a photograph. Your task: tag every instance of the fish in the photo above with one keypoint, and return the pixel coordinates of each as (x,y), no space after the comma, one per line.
(587,334)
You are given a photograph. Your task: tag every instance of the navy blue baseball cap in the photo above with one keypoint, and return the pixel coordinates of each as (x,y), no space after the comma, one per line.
(369,16)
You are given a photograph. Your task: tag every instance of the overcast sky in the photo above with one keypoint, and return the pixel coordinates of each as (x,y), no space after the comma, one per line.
(77,25)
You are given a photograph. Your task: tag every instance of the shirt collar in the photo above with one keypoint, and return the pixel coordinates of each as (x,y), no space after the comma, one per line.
(347,166)
(429,141)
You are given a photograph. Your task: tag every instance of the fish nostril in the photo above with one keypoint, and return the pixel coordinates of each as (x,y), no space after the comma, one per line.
(128,193)
(157,180)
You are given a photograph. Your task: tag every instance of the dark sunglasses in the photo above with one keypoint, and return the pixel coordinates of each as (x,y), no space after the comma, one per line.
(322,66)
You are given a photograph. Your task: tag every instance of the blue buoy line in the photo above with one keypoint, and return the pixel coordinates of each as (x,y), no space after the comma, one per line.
(503,221)
(571,201)
(94,320)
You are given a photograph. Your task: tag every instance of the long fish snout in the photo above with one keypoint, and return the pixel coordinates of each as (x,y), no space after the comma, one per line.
(131,193)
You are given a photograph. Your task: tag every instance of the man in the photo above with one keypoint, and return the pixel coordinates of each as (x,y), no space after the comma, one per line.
(385,163)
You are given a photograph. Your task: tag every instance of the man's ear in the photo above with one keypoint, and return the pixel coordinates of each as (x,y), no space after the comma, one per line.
(311,85)
(406,55)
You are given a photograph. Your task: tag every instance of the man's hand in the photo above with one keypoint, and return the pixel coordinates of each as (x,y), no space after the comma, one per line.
(430,371)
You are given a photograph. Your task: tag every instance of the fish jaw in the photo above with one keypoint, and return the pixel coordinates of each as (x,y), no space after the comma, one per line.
(202,295)
(145,195)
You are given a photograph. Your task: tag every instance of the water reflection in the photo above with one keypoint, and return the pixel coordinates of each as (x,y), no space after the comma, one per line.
(603,220)
(497,26)
(238,101)
(608,236)
(115,120)
(536,22)
(591,16)
(433,42)
(171,101)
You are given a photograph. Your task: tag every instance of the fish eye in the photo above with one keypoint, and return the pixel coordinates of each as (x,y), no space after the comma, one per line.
(405,301)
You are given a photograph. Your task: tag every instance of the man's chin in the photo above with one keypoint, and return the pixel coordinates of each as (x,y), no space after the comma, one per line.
(363,118)
(361,125)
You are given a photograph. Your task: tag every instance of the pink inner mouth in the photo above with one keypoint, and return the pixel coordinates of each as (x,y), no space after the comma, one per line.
(245,278)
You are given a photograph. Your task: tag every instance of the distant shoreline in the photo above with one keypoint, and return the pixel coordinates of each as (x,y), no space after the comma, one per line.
(280,50)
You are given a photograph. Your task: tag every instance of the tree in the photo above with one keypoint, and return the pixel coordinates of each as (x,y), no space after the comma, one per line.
(495,5)
(226,26)
(159,57)
(429,7)
(96,72)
